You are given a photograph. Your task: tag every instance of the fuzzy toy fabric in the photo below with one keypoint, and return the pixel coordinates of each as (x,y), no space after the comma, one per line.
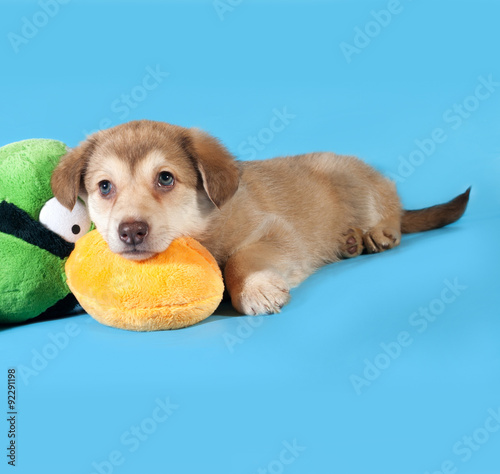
(25,170)
(36,232)
(171,290)
(32,257)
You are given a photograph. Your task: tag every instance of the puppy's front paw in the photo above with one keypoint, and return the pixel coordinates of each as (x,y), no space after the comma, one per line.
(263,292)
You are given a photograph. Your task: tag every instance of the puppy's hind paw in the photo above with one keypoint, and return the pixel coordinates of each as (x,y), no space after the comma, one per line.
(379,239)
(352,243)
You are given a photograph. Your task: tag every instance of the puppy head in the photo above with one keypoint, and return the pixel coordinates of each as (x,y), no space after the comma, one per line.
(147,183)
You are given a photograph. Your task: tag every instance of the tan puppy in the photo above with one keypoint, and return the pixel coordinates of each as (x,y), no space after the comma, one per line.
(269,224)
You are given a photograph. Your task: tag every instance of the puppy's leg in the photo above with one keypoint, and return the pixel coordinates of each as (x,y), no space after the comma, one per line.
(383,236)
(256,279)
(383,229)
(352,243)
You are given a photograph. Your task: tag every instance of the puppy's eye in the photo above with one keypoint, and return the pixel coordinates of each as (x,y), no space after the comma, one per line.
(166,179)
(105,187)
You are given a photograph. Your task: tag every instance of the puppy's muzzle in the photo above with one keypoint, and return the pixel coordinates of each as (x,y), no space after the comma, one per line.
(133,233)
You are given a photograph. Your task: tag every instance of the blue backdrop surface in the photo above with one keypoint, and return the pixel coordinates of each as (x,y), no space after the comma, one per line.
(382,364)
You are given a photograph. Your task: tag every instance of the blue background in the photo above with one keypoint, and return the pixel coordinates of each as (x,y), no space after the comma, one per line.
(243,392)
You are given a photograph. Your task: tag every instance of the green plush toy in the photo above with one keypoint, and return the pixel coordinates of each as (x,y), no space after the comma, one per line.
(37,234)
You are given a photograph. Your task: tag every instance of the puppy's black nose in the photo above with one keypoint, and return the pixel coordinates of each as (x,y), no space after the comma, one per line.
(133,233)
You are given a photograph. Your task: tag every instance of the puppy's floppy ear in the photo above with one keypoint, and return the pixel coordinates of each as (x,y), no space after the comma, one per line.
(217,167)
(67,178)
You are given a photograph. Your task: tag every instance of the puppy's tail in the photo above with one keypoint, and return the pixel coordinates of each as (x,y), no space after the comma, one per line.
(435,216)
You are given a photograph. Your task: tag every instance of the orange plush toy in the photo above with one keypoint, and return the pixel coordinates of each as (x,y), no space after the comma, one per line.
(171,290)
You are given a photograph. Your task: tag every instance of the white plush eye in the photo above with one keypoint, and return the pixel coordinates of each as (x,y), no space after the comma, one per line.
(70,225)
